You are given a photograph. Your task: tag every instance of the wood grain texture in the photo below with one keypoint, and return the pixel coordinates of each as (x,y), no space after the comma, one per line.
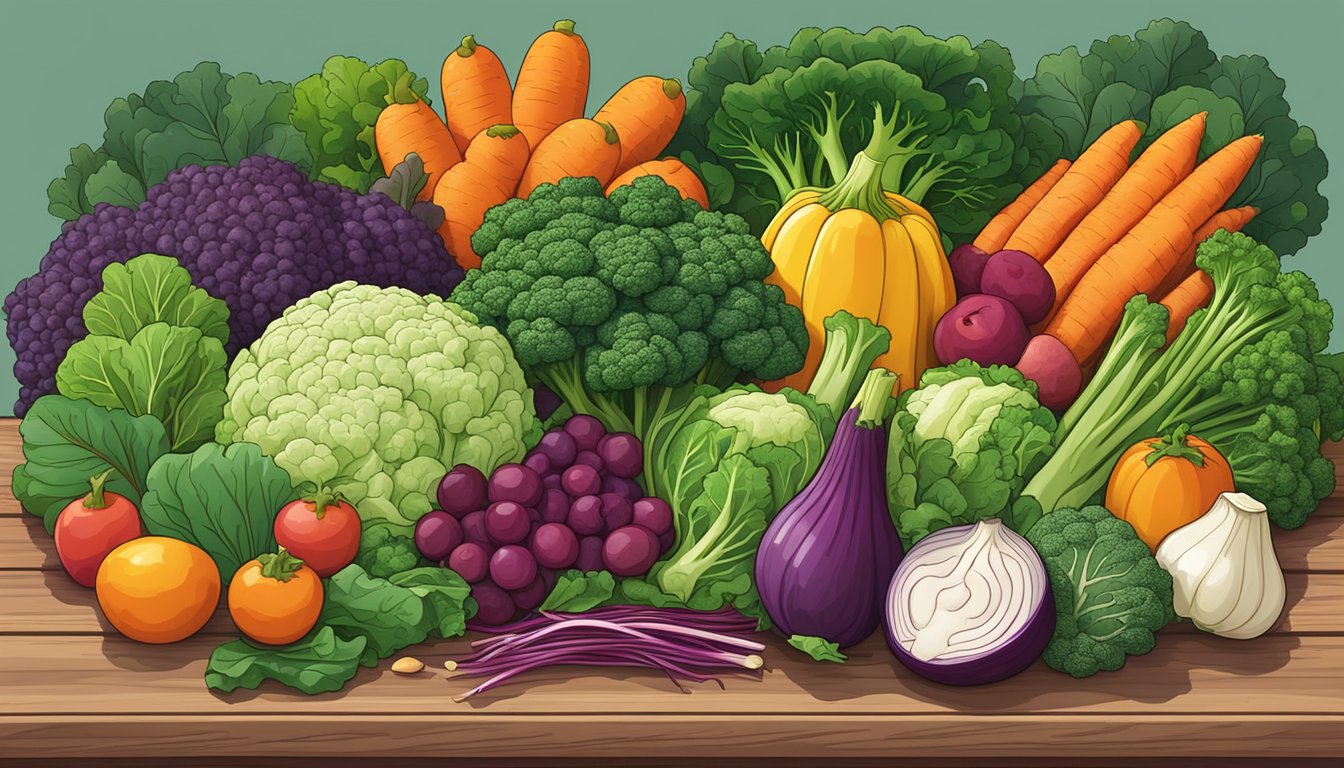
(62,671)
(78,675)
(753,737)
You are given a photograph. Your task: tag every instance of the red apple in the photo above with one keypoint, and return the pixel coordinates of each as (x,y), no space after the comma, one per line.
(1051,365)
(89,528)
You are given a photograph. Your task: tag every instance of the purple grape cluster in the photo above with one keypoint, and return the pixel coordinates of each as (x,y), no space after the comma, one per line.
(572,503)
(258,235)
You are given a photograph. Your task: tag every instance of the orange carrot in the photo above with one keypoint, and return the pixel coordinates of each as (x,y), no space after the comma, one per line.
(487,177)
(1193,293)
(670,170)
(552,84)
(579,147)
(476,92)
(1151,250)
(1159,169)
(1001,227)
(645,113)
(1078,191)
(1232,219)
(405,128)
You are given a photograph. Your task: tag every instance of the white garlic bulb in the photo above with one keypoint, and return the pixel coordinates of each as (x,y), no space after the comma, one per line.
(1223,569)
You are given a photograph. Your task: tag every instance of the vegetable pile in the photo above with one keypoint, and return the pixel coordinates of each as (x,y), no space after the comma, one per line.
(1010,369)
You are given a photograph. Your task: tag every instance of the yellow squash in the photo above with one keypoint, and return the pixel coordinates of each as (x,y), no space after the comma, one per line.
(873,253)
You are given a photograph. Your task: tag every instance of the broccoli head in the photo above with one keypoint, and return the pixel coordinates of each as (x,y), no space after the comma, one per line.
(1110,593)
(385,551)
(614,302)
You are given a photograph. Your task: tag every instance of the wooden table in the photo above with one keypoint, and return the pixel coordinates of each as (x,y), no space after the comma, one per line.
(70,687)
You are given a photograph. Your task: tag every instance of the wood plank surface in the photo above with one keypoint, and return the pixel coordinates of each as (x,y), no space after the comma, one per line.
(71,688)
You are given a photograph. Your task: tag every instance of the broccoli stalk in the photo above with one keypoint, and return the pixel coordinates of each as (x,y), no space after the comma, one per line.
(1242,374)
(853,344)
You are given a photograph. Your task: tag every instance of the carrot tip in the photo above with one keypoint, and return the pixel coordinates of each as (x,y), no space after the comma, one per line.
(468,46)
(564,25)
(502,131)
(608,132)
(672,87)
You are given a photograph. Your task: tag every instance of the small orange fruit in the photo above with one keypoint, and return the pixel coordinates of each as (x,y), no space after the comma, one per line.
(156,589)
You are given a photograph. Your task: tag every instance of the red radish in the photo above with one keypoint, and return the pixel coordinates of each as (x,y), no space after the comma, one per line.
(322,531)
(1020,279)
(982,328)
(1050,364)
(88,529)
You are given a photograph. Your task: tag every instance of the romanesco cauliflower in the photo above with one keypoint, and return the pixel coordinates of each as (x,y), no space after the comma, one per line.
(381,389)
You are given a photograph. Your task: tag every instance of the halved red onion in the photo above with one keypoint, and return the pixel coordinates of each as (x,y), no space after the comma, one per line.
(969,605)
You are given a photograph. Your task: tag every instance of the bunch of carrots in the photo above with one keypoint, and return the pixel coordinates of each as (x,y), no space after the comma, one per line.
(1107,230)
(499,141)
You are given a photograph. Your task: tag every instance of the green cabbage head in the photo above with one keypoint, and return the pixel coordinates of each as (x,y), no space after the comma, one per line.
(961,448)
(381,390)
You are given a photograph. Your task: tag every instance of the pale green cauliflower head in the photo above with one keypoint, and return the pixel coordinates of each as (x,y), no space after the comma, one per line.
(382,388)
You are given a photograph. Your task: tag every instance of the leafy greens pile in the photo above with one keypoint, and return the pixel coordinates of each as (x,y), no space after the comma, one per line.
(761,124)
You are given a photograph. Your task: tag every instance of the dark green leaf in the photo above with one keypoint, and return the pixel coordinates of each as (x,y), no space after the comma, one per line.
(387,616)
(319,663)
(223,500)
(66,442)
(446,597)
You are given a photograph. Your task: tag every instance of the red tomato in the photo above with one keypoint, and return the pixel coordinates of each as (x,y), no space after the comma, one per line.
(91,527)
(323,531)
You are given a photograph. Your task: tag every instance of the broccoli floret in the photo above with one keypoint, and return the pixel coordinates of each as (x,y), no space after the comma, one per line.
(384,552)
(258,235)
(1110,593)
(1244,375)
(610,302)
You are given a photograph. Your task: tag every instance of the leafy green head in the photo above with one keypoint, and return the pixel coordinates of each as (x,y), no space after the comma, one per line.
(961,447)
(1110,593)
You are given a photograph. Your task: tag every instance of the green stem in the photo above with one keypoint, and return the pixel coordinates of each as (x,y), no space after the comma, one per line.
(322,498)
(468,46)
(873,398)
(861,188)
(852,345)
(280,566)
(97,489)
(1175,445)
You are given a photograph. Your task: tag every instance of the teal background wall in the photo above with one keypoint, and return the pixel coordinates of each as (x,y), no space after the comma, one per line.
(64,61)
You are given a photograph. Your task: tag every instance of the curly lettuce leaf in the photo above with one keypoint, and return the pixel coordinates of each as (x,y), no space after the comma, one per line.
(446,597)
(336,110)
(223,500)
(66,442)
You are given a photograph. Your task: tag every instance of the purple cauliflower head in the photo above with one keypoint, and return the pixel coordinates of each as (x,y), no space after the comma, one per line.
(259,235)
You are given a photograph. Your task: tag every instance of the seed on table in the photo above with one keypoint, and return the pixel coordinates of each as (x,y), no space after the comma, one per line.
(407,665)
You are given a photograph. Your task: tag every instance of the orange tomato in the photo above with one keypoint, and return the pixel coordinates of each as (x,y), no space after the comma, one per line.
(155,589)
(1164,483)
(275,599)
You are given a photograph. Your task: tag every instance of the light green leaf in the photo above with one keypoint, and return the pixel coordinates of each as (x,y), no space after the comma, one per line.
(446,596)
(576,592)
(819,648)
(153,289)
